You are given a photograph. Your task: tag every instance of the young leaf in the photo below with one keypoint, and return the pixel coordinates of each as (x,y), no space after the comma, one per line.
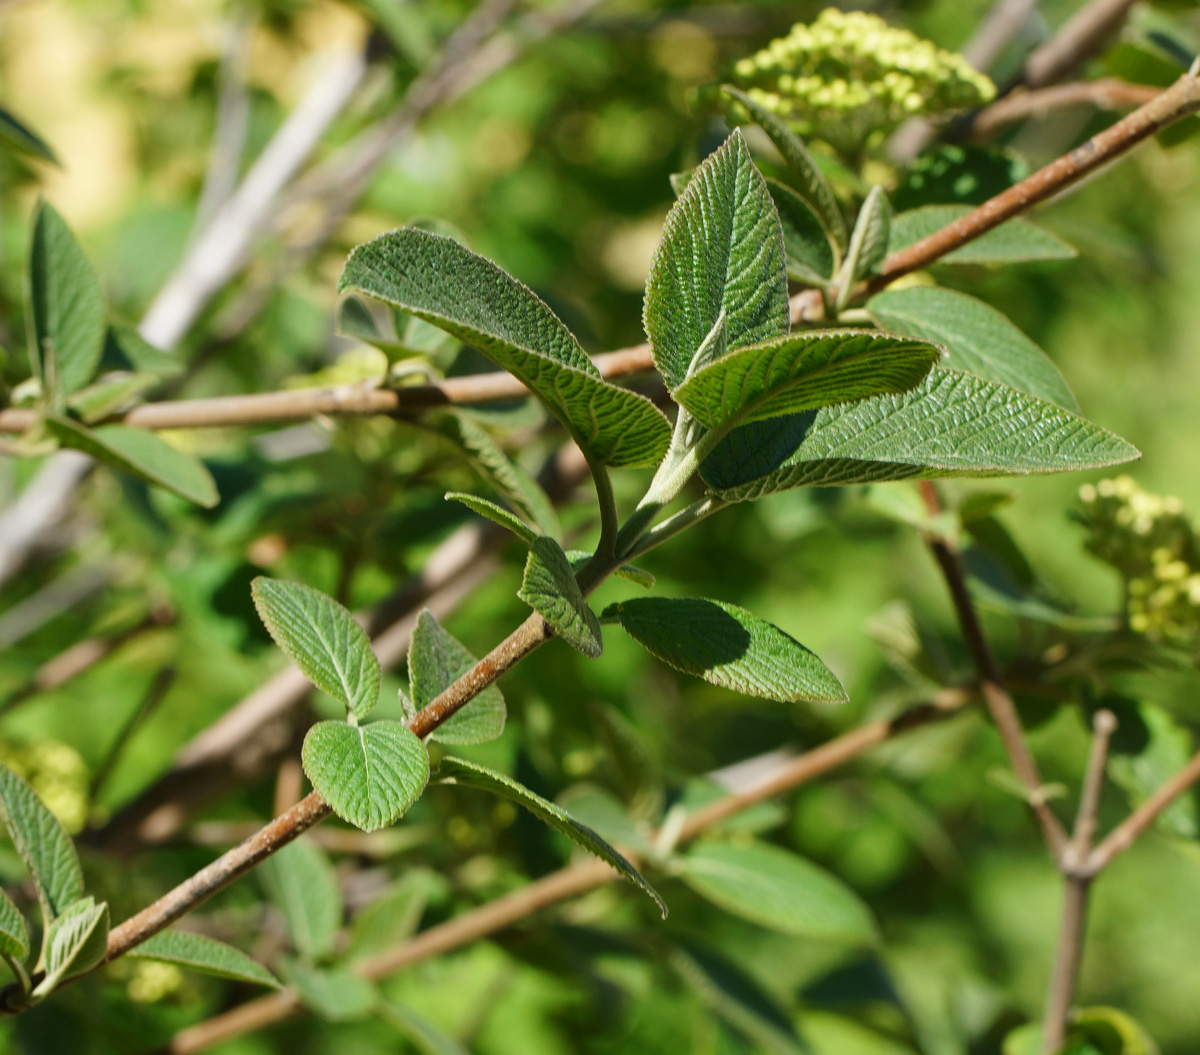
(322,639)
(806,177)
(727,646)
(392,917)
(336,994)
(14,935)
(438,280)
(125,348)
(423,1034)
(18,136)
(721,252)
(208,955)
(1010,243)
(458,771)
(369,775)
(869,241)
(300,882)
(142,454)
(810,257)
(952,424)
(777,889)
(497,514)
(630,573)
(66,307)
(111,393)
(44,846)
(437,659)
(75,942)
(550,589)
(980,339)
(803,371)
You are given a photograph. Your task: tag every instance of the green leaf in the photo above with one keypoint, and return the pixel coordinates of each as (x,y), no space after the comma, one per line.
(14,935)
(66,308)
(806,177)
(75,943)
(208,955)
(1165,750)
(459,771)
(392,917)
(300,882)
(437,659)
(125,344)
(424,1035)
(17,135)
(629,572)
(737,998)
(43,845)
(810,257)
(803,371)
(550,589)
(111,393)
(495,513)
(1092,1031)
(336,994)
(1010,243)
(779,890)
(322,639)
(721,252)
(142,454)
(438,280)
(869,241)
(828,1033)
(952,424)
(980,339)
(727,646)
(514,484)
(369,775)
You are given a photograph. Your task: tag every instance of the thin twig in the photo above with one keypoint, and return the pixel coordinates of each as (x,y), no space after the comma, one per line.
(1107,93)
(1079,39)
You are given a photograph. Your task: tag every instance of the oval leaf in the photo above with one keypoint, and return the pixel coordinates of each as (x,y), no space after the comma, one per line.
(727,646)
(1013,242)
(497,514)
(550,589)
(75,943)
(199,953)
(980,339)
(14,935)
(369,775)
(300,882)
(43,844)
(869,242)
(779,890)
(458,771)
(336,994)
(437,659)
(721,252)
(438,280)
(322,639)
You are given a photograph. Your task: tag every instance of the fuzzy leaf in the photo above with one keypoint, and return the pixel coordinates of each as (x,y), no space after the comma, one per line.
(980,339)
(810,257)
(952,424)
(550,589)
(1013,242)
(336,994)
(18,136)
(369,775)
(14,935)
(66,307)
(437,659)
(803,371)
(458,771)
(869,241)
(777,889)
(142,454)
(727,646)
(392,917)
(806,177)
(497,514)
(43,845)
(436,279)
(300,882)
(629,572)
(208,955)
(423,1034)
(322,639)
(721,252)
(75,942)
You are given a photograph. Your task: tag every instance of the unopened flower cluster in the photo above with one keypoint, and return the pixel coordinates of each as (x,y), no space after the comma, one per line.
(850,79)
(56,772)
(1151,540)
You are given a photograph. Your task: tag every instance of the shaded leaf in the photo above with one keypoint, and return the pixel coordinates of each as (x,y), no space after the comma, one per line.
(721,253)
(75,942)
(14,935)
(727,646)
(125,346)
(629,572)
(369,774)
(208,955)
(323,639)
(1010,243)
(810,257)
(142,454)
(497,514)
(1165,751)
(336,994)
(779,890)
(980,339)
(300,882)
(111,393)
(459,771)
(869,240)
(20,137)
(392,917)
(438,280)
(550,589)
(424,1035)
(437,659)
(43,845)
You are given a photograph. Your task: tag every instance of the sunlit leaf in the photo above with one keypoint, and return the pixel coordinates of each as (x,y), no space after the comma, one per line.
(550,589)
(199,953)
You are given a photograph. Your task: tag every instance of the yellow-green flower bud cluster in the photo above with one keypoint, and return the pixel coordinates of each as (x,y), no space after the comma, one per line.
(1152,542)
(57,773)
(850,79)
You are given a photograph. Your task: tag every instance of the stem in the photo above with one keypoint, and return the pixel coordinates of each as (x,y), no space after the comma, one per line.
(610,525)
(674,524)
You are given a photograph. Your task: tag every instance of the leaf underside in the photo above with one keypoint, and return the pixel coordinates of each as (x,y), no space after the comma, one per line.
(494,512)
(208,955)
(300,881)
(75,943)
(550,589)
(14,935)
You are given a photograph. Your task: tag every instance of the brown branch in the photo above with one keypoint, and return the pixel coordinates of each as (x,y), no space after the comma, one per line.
(1107,93)
(1078,40)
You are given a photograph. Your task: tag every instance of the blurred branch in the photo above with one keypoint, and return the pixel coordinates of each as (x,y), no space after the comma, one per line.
(56,597)
(43,502)
(1083,36)
(1108,93)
